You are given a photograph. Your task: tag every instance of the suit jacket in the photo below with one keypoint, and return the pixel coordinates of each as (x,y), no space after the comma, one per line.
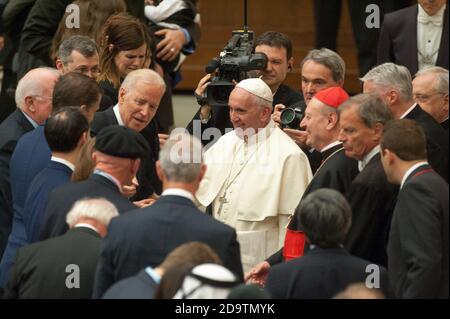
(437,140)
(372,199)
(398,39)
(140,286)
(320,274)
(147,177)
(27,224)
(146,236)
(418,239)
(63,197)
(38,273)
(11,130)
(220,117)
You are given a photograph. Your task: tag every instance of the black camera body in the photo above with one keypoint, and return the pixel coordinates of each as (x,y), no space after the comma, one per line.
(234,63)
(292,116)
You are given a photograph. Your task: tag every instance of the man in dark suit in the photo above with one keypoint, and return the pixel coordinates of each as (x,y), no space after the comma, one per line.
(418,239)
(416,36)
(430,91)
(321,123)
(143,285)
(393,84)
(371,196)
(145,237)
(326,268)
(33,99)
(139,98)
(36,273)
(66,132)
(117,158)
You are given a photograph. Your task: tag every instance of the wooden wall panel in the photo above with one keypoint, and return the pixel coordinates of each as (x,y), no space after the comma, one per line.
(293,17)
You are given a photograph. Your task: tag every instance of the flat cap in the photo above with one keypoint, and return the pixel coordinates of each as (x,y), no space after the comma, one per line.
(120,141)
(257,87)
(333,96)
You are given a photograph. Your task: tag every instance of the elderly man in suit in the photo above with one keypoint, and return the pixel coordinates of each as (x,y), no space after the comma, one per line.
(416,37)
(327,268)
(418,237)
(139,98)
(66,132)
(34,103)
(145,237)
(393,84)
(117,158)
(36,273)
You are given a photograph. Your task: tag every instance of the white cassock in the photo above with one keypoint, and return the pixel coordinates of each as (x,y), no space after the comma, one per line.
(254,186)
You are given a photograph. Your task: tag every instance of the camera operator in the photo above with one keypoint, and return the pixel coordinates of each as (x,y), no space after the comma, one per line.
(278,49)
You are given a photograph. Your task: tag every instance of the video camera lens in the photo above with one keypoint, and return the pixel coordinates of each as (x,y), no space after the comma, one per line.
(291,117)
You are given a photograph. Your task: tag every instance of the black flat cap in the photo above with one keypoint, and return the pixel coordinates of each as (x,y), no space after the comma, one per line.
(120,141)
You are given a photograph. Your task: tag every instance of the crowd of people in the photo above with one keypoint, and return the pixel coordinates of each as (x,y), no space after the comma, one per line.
(98,200)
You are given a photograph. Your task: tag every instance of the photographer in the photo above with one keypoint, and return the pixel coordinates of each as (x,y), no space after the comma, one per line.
(278,49)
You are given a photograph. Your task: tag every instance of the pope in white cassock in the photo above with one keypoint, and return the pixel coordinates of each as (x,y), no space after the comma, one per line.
(256,174)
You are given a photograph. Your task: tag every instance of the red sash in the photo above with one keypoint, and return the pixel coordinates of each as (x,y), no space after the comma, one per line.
(294,244)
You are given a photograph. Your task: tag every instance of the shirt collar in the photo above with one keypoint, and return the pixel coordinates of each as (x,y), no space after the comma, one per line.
(64,162)
(117,114)
(30,119)
(330,146)
(153,274)
(423,17)
(114,180)
(87,226)
(178,192)
(408,111)
(363,163)
(410,170)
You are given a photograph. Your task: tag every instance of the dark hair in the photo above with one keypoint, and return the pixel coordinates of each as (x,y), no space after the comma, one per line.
(80,43)
(326,217)
(84,165)
(275,39)
(406,139)
(64,128)
(122,32)
(75,89)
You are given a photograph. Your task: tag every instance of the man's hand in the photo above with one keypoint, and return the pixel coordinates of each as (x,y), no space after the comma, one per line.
(171,44)
(130,190)
(277,113)
(258,274)
(144,203)
(203,84)
(298,136)
(162,139)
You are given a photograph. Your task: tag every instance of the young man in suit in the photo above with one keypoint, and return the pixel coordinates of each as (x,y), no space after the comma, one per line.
(145,237)
(393,84)
(416,37)
(139,98)
(66,132)
(327,268)
(117,156)
(418,239)
(50,270)
(34,103)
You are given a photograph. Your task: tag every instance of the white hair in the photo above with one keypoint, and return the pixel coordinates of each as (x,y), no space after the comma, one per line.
(143,76)
(32,84)
(181,158)
(99,209)
(441,84)
(390,75)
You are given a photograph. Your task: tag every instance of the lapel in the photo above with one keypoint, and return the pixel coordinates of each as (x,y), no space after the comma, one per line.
(411,43)
(442,59)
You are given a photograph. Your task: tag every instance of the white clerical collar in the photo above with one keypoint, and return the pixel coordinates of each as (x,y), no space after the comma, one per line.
(64,162)
(178,192)
(87,226)
(330,146)
(117,114)
(408,111)
(33,122)
(362,164)
(410,170)
(437,17)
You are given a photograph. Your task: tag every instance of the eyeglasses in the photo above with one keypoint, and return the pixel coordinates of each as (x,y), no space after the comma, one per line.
(50,98)
(422,98)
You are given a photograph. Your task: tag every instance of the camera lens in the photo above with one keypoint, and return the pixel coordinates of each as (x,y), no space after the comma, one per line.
(287,116)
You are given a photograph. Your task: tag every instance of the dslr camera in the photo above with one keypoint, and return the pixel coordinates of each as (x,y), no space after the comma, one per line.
(292,116)
(234,63)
